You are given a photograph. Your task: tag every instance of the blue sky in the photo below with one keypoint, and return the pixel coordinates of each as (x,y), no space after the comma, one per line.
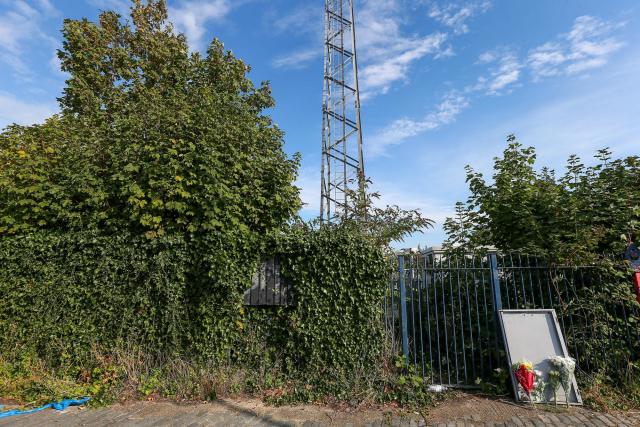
(444,82)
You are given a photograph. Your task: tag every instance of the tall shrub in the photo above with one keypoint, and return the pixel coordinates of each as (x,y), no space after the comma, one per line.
(160,160)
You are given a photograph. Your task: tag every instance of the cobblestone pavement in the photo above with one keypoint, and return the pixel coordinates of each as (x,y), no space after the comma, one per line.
(253,413)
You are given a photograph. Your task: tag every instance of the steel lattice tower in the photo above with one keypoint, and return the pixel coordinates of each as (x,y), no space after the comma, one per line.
(343,179)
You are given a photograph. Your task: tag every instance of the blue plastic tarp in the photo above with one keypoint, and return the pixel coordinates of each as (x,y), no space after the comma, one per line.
(63,404)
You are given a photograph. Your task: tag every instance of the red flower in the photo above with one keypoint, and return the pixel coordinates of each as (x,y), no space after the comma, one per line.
(526,378)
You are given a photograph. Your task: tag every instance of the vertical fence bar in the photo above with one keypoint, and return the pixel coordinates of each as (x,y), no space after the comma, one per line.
(459,286)
(453,319)
(413,340)
(428,280)
(495,282)
(436,276)
(486,310)
(403,308)
(421,279)
(497,299)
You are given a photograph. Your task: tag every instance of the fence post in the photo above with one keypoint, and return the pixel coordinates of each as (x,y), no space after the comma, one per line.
(497,299)
(495,282)
(403,309)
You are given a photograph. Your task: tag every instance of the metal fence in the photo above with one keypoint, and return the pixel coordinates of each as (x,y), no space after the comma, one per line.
(441,311)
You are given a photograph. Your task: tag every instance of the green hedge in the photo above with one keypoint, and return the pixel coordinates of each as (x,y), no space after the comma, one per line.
(62,295)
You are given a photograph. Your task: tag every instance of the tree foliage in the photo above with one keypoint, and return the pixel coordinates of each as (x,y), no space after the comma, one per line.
(151,139)
(158,154)
(387,224)
(588,210)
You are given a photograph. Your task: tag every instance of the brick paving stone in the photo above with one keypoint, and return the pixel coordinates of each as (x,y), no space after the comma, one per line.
(585,421)
(527,422)
(147,422)
(574,420)
(538,422)
(555,421)
(148,415)
(123,417)
(565,420)
(624,419)
(91,416)
(605,420)
(597,422)
(517,421)
(210,419)
(545,420)
(616,421)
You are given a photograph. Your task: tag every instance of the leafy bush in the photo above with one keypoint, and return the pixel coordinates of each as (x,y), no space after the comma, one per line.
(574,217)
(63,296)
(331,340)
(140,212)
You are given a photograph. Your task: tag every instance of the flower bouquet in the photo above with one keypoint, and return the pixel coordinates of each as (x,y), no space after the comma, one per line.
(526,376)
(539,387)
(561,375)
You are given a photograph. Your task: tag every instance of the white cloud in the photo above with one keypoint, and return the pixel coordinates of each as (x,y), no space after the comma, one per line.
(298,59)
(487,57)
(378,76)
(385,52)
(401,129)
(15,26)
(502,76)
(190,17)
(20,28)
(47,7)
(305,19)
(456,15)
(588,45)
(13,110)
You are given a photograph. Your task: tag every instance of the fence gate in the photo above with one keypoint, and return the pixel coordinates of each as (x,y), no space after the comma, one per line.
(441,312)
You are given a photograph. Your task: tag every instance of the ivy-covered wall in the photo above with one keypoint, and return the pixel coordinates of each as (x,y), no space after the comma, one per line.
(334,332)
(63,295)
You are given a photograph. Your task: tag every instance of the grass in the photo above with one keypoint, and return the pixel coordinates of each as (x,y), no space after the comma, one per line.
(128,375)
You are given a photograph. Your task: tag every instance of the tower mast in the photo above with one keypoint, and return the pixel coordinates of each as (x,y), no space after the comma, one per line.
(343,178)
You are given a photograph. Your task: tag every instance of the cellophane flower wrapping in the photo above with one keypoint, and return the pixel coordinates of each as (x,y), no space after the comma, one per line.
(566,367)
(525,375)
